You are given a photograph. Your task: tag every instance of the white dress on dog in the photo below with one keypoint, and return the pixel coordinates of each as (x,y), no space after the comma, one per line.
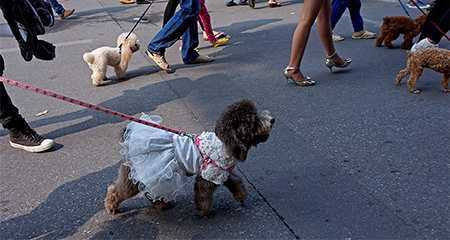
(160,161)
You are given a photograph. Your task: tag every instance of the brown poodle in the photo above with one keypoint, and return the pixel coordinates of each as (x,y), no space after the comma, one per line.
(158,163)
(394,26)
(437,59)
(99,59)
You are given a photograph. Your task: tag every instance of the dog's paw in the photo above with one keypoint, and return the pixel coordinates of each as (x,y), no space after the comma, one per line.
(111,208)
(241,203)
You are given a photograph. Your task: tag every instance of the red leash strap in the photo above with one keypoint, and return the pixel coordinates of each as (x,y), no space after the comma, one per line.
(87,105)
(443,33)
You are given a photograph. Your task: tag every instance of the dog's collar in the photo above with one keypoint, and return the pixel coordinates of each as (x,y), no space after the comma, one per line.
(206,159)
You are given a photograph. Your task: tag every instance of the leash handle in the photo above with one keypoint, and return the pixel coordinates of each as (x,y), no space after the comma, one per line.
(135,25)
(443,33)
(87,105)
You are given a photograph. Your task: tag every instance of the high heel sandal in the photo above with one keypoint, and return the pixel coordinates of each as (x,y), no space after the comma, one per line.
(330,64)
(287,75)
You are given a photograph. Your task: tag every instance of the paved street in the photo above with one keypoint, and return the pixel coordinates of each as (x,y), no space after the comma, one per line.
(353,157)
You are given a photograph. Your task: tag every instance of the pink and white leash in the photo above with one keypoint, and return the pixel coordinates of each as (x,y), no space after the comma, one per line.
(88,105)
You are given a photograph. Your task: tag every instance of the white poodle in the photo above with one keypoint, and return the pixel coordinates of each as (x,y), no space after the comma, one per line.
(100,58)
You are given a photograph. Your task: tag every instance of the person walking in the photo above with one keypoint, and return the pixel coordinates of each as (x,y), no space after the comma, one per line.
(354,7)
(312,10)
(182,24)
(60,10)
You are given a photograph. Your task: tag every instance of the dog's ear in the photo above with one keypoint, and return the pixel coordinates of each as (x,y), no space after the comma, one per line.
(236,127)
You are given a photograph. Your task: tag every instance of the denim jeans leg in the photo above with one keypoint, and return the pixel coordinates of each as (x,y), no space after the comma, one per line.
(58,8)
(190,42)
(184,19)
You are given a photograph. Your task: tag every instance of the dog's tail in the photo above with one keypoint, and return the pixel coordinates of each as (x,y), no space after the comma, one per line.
(88,57)
(386,20)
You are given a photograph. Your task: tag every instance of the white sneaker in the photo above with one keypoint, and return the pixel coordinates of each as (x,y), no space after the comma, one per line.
(424,43)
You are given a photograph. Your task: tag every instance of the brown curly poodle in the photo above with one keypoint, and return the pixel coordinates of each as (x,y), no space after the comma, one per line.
(394,26)
(437,59)
(158,163)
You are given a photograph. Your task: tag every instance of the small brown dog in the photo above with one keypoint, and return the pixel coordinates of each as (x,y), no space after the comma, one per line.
(99,59)
(437,59)
(394,26)
(158,163)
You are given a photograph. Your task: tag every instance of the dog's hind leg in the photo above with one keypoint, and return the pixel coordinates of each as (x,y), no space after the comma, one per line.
(402,74)
(203,193)
(444,83)
(380,39)
(120,191)
(415,75)
(98,73)
(407,41)
(238,186)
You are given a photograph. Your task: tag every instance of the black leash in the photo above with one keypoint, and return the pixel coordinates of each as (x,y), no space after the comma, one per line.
(135,25)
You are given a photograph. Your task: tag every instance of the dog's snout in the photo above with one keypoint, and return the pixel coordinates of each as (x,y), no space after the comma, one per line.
(272,121)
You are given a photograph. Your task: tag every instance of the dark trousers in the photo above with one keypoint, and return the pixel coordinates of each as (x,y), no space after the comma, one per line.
(9,114)
(439,15)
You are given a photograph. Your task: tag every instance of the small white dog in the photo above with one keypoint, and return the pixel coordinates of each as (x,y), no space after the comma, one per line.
(100,58)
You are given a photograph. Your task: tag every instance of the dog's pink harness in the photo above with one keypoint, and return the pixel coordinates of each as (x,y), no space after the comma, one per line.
(207,160)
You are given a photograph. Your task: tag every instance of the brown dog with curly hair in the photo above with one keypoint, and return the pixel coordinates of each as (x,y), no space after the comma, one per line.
(437,59)
(158,163)
(394,26)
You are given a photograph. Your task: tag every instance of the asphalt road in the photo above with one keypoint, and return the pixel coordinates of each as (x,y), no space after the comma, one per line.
(353,157)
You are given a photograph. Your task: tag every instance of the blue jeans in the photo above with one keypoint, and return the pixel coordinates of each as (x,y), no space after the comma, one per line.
(58,8)
(354,7)
(182,24)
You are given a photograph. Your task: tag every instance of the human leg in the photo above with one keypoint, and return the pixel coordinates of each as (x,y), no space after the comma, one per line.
(309,13)
(169,11)
(436,14)
(182,22)
(437,35)
(338,8)
(206,23)
(21,135)
(325,34)
(354,7)
(58,8)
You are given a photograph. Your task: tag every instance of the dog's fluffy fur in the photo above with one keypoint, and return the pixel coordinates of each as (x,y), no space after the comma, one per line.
(100,58)
(437,59)
(394,26)
(239,127)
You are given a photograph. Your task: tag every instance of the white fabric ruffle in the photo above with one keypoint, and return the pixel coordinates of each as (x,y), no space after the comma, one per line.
(153,156)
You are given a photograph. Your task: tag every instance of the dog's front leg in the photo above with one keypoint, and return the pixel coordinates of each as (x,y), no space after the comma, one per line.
(238,186)
(444,83)
(203,193)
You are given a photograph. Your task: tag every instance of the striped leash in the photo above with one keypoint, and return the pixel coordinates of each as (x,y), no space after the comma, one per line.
(91,106)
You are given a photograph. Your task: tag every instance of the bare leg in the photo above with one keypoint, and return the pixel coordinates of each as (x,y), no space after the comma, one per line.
(325,34)
(311,10)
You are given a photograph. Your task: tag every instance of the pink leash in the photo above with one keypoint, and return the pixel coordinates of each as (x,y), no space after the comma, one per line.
(91,106)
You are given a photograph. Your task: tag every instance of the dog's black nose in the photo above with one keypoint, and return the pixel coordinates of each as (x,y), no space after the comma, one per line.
(272,121)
